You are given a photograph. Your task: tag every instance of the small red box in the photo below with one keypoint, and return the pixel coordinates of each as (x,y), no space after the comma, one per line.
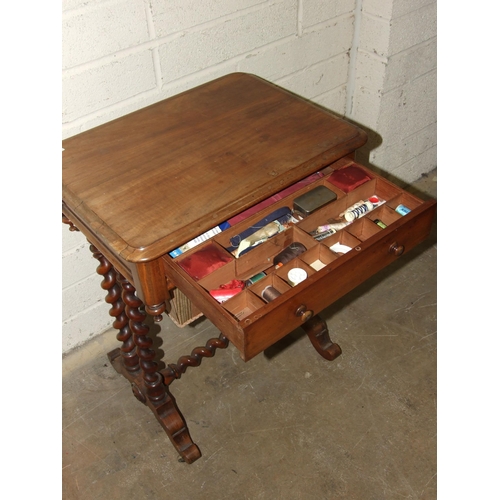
(348,178)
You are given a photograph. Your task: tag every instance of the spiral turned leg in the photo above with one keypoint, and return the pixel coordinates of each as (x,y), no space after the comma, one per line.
(173,372)
(151,388)
(136,356)
(126,355)
(152,380)
(128,348)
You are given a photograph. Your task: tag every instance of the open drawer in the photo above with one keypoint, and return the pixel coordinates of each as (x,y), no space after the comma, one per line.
(274,302)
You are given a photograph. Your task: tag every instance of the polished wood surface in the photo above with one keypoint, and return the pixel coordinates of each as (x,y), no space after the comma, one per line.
(158,177)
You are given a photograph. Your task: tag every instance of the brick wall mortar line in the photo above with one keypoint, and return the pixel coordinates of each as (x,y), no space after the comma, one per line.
(391,19)
(85,311)
(243,56)
(155,52)
(431,2)
(374,55)
(222,19)
(308,68)
(414,47)
(328,23)
(82,280)
(353,56)
(412,82)
(330,91)
(376,18)
(300,14)
(157,42)
(409,137)
(82,120)
(414,157)
(88,8)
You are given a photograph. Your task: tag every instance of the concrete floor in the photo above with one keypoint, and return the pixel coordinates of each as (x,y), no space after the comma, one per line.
(286,425)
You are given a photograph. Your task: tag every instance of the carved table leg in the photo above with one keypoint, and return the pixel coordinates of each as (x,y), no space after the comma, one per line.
(151,387)
(135,359)
(126,355)
(317,331)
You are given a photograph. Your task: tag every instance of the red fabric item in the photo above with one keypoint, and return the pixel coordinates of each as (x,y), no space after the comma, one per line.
(225,292)
(205,261)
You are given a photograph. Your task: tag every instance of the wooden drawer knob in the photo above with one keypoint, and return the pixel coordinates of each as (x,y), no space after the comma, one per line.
(303,313)
(396,248)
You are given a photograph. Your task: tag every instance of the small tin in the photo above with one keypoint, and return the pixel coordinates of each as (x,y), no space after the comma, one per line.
(307,203)
(402,209)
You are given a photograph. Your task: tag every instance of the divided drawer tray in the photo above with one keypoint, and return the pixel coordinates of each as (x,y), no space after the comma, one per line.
(258,316)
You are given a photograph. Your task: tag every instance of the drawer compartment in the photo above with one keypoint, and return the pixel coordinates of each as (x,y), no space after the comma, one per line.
(273,302)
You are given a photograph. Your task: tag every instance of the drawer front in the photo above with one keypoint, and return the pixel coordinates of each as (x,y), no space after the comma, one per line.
(336,280)
(259,316)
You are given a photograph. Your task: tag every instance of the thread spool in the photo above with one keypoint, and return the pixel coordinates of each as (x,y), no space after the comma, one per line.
(270,293)
(289,253)
(254,279)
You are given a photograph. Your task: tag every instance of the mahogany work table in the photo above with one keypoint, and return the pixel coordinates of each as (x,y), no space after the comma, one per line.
(141,186)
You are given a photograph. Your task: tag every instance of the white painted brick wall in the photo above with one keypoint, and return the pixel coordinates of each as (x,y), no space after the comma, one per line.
(105,29)
(318,79)
(227,40)
(375,34)
(106,84)
(173,16)
(394,93)
(413,28)
(85,312)
(122,55)
(408,107)
(408,65)
(296,54)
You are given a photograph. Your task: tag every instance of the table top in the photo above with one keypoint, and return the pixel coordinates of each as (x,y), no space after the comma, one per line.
(151,180)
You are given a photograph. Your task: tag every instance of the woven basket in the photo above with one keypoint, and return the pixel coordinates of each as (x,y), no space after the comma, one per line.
(183,311)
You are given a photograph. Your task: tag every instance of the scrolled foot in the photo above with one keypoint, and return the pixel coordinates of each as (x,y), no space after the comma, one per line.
(139,395)
(317,331)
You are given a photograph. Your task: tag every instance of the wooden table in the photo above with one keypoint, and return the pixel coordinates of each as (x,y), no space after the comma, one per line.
(140,186)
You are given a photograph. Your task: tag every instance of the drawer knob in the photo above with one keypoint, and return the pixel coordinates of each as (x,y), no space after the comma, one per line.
(303,313)
(396,248)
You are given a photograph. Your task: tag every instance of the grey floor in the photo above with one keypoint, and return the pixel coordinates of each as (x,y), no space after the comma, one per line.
(286,425)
